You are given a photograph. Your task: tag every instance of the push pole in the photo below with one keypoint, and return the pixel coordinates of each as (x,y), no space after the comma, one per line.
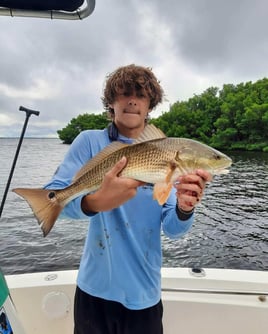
(29,112)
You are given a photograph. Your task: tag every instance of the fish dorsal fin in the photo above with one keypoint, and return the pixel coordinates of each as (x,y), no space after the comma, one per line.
(150,132)
(97,159)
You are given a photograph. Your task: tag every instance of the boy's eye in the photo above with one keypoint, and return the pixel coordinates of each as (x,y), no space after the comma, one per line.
(125,93)
(138,94)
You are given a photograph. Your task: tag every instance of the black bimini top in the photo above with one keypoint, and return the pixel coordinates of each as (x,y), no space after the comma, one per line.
(66,9)
(67,5)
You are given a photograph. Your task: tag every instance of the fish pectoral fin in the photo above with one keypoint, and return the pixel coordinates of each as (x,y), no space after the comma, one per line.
(171,169)
(161,192)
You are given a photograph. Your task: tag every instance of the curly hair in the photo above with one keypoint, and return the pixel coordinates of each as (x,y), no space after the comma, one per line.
(132,78)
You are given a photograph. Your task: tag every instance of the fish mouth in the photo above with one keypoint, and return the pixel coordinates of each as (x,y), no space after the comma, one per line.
(223,169)
(220,167)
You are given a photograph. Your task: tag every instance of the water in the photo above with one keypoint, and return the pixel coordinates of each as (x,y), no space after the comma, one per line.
(230,230)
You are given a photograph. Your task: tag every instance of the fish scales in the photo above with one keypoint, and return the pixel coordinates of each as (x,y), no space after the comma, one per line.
(142,159)
(148,161)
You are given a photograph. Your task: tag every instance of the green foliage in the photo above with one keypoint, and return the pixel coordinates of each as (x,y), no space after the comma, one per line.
(192,119)
(80,123)
(234,117)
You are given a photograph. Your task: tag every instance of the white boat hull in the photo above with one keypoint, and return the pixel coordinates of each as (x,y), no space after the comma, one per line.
(223,301)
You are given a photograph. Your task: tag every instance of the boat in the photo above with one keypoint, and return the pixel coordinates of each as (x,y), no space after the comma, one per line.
(196,300)
(205,301)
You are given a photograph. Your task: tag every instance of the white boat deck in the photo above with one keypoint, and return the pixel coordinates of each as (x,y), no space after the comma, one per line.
(221,301)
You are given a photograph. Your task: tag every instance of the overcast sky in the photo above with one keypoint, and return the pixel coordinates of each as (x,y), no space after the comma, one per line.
(58,67)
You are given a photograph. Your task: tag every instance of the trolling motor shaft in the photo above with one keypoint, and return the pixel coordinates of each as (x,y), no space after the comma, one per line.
(29,112)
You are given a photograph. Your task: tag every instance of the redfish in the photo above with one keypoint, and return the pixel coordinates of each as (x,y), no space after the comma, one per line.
(152,158)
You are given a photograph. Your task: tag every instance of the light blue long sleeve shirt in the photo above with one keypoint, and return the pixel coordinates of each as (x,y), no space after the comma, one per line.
(122,256)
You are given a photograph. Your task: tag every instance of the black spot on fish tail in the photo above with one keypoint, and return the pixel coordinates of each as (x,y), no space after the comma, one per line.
(51,194)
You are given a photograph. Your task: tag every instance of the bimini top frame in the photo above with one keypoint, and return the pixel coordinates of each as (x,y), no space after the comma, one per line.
(50,9)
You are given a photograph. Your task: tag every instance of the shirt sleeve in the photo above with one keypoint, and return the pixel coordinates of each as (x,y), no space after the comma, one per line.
(172,226)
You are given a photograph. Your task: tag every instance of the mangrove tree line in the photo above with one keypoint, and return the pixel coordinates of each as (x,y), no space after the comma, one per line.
(234,117)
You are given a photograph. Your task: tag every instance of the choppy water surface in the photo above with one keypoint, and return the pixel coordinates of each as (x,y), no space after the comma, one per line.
(230,230)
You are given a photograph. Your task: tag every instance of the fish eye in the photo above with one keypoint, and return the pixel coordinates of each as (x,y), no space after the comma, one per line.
(217,157)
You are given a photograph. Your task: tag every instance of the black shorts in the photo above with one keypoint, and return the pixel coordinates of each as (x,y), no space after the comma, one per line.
(94,315)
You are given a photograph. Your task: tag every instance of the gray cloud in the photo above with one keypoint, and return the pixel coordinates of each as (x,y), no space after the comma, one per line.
(58,67)
(219,35)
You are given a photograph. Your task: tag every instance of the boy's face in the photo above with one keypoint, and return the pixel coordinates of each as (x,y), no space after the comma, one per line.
(130,110)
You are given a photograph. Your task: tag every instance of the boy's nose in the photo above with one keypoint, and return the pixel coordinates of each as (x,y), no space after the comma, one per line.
(132,102)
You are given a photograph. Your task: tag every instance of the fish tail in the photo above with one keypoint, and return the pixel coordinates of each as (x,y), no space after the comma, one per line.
(44,204)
